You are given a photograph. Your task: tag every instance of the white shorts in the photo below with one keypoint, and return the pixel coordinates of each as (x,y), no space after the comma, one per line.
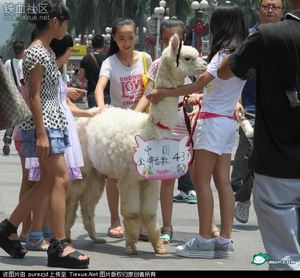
(216,135)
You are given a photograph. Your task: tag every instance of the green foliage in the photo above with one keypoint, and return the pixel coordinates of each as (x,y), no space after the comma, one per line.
(98,14)
(249,8)
(183,9)
(21,31)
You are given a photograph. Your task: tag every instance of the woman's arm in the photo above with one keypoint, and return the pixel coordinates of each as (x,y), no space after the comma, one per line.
(239,110)
(99,91)
(35,84)
(77,112)
(144,102)
(75,93)
(202,81)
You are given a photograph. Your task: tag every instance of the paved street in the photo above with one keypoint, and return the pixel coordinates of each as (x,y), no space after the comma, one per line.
(111,255)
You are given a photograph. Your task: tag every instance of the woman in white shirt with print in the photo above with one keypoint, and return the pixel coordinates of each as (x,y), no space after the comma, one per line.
(124,68)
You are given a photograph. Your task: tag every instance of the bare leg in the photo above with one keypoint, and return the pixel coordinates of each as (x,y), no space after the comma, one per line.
(205,162)
(58,196)
(39,214)
(226,197)
(30,201)
(47,224)
(166,201)
(112,194)
(25,187)
(214,231)
(36,240)
(55,166)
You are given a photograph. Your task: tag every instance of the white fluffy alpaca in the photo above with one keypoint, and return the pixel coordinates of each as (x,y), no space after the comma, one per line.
(109,138)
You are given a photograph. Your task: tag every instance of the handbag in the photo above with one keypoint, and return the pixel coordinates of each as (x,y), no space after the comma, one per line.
(13,108)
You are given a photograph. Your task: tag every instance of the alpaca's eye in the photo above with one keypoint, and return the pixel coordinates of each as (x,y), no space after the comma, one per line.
(187,59)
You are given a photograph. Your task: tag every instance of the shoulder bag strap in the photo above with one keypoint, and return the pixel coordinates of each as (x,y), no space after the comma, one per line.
(14,73)
(145,63)
(95,60)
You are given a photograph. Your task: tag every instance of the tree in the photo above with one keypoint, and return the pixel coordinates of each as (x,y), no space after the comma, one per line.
(249,8)
(82,15)
(21,31)
(97,14)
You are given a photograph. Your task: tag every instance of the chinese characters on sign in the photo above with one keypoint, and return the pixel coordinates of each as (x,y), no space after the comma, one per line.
(162,159)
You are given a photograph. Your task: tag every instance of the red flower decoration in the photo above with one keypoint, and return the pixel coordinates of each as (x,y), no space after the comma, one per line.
(201,29)
(150,40)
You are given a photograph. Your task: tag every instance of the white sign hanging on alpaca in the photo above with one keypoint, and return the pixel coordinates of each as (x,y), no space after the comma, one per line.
(162,159)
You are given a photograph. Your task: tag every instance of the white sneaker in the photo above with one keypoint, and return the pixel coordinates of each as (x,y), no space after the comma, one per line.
(196,249)
(224,251)
(242,211)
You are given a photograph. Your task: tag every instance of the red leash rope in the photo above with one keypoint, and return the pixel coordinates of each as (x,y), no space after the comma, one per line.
(190,129)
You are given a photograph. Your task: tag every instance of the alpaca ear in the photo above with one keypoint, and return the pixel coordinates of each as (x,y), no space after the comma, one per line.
(174,42)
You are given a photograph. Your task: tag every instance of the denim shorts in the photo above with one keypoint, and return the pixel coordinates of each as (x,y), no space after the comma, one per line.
(58,140)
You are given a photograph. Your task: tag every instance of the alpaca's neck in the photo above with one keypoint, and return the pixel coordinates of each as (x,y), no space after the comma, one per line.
(165,112)
(167,76)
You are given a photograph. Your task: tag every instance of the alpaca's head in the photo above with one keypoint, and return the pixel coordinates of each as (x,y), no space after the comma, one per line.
(179,61)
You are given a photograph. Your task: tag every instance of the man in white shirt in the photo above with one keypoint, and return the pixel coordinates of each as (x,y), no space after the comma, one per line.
(14,68)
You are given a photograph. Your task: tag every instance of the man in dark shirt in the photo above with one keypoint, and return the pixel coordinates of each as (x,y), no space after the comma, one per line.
(269,11)
(90,68)
(274,51)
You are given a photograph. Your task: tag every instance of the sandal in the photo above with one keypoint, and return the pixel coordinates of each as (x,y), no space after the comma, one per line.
(12,247)
(241,213)
(215,233)
(36,241)
(166,234)
(71,260)
(47,233)
(117,232)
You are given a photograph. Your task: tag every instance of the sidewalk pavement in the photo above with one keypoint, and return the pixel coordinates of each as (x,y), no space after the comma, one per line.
(111,255)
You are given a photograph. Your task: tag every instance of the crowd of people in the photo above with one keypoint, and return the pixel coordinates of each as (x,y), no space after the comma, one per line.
(256,75)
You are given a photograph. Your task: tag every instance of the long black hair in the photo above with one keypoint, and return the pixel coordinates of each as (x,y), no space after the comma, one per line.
(227,29)
(46,10)
(60,47)
(113,49)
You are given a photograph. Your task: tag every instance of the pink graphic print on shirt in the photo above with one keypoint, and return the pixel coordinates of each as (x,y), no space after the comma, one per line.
(132,88)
